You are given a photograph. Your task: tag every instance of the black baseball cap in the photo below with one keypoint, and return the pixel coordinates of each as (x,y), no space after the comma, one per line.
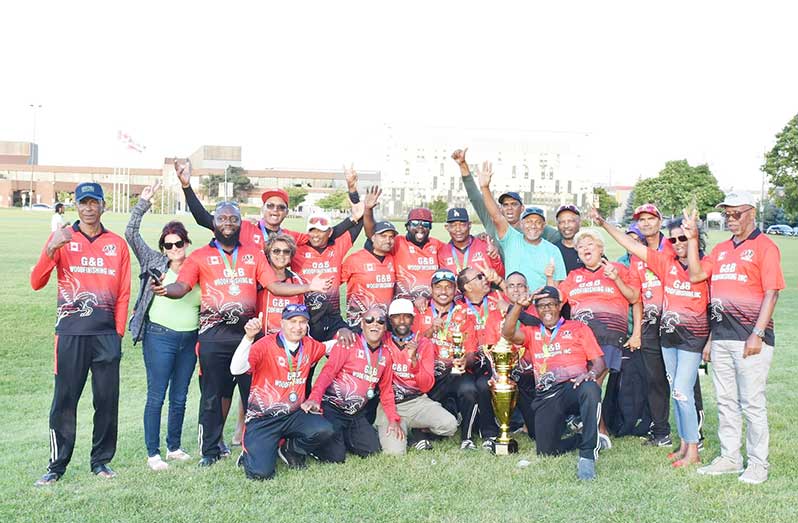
(457,214)
(569,207)
(547,292)
(511,194)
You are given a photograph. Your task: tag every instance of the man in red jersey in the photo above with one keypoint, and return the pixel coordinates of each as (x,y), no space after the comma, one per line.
(228,274)
(566,360)
(463,249)
(93,266)
(278,365)
(415,254)
(745,278)
(370,274)
(413,367)
(352,377)
(273,212)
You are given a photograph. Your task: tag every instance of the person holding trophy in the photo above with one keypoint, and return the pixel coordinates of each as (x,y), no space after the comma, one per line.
(566,360)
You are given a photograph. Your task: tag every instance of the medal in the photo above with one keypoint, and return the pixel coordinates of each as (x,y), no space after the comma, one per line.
(230,271)
(293,397)
(235,290)
(370,393)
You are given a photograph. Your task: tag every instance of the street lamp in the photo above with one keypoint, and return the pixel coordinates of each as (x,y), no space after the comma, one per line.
(34,108)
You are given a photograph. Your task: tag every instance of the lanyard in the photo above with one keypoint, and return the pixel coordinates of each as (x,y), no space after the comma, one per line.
(480,320)
(465,256)
(264,232)
(232,270)
(448,316)
(289,358)
(367,350)
(554,332)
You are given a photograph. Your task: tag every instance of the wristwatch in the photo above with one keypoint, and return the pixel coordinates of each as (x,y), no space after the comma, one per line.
(759,332)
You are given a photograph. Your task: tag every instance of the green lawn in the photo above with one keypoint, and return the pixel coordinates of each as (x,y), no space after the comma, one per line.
(634,484)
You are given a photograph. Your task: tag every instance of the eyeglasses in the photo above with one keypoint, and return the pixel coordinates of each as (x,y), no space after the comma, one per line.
(547,305)
(280,252)
(420,223)
(279,206)
(734,215)
(674,239)
(516,286)
(168,245)
(319,220)
(479,276)
(371,319)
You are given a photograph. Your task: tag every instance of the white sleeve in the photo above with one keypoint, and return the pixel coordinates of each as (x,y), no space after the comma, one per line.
(240,362)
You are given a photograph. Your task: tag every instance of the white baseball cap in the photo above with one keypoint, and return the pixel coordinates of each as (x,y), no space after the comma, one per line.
(319,220)
(736,199)
(401,306)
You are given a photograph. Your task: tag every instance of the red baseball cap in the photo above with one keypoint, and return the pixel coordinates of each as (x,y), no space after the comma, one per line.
(275,192)
(420,213)
(648,208)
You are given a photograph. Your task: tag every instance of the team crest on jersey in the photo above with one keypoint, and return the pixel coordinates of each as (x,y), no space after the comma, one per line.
(579,278)
(640,265)
(673,271)
(214,260)
(722,256)
(109,250)
(427,320)
(412,249)
(308,255)
(75,247)
(370,267)
(281,361)
(567,335)
(478,256)
(257,238)
(538,337)
(747,255)
(361,354)
(248,259)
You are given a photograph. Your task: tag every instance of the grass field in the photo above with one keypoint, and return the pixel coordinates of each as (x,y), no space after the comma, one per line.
(634,484)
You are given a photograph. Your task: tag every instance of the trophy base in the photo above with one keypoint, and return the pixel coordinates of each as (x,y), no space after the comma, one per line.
(504,449)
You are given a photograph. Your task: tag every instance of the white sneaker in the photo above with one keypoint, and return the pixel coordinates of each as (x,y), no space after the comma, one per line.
(604,442)
(178,455)
(754,474)
(156,463)
(721,465)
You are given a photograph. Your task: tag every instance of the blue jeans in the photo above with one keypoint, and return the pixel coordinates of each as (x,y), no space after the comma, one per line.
(681,367)
(169,360)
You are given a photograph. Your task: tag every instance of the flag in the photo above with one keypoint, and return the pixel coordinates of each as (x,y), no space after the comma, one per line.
(128,142)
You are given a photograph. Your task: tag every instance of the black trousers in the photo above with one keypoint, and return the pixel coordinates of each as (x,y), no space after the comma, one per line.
(458,394)
(658,390)
(487,419)
(74,356)
(554,405)
(216,383)
(352,433)
(304,433)
(526,394)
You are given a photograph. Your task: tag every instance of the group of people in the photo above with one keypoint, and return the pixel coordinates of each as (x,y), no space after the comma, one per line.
(408,359)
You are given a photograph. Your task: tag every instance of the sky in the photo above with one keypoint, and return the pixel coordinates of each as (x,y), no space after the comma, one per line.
(312,84)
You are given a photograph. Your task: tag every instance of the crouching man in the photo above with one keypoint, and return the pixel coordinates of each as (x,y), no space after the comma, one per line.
(566,359)
(279,364)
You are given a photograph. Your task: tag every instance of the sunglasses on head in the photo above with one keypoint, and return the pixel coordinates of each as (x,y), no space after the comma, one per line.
(420,223)
(734,215)
(295,307)
(371,319)
(277,251)
(168,245)
(279,206)
(444,276)
(319,220)
(674,239)
(225,204)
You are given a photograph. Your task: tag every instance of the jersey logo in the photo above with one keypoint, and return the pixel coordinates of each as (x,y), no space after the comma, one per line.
(308,255)
(478,256)
(673,271)
(580,278)
(110,249)
(281,361)
(640,265)
(722,256)
(370,267)
(248,259)
(214,260)
(747,255)
(427,320)
(75,247)
(566,335)
(361,354)
(538,336)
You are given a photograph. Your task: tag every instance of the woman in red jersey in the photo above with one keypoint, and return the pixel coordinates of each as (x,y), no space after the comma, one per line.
(280,249)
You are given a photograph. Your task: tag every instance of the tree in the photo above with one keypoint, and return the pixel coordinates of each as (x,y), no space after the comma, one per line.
(629,211)
(607,203)
(235,175)
(296,195)
(338,200)
(773,214)
(673,189)
(781,166)
(439,208)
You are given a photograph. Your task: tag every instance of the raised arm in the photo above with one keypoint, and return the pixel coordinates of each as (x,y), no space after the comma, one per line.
(625,241)
(510,330)
(141,250)
(484,174)
(372,197)
(697,272)
(200,213)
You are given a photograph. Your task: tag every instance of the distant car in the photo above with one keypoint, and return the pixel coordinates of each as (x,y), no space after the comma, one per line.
(783,230)
(795,231)
(39,207)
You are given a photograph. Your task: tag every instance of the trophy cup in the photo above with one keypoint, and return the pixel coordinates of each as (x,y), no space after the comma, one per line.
(503,394)
(457,347)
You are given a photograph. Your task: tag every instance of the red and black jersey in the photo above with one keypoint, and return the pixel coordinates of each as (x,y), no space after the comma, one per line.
(565,355)
(454,259)
(484,319)
(228,300)
(309,263)
(454,319)
(272,306)
(597,302)
(255,235)
(350,376)
(278,380)
(411,380)
(650,287)
(684,323)
(415,266)
(93,283)
(369,281)
(739,275)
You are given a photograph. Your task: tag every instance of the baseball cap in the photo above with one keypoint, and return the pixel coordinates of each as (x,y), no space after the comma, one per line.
(648,208)
(547,292)
(443,275)
(280,193)
(529,211)
(384,226)
(511,194)
(420,213)
(634,229)
(457,214)
(89,190)
(319,220)
(293,310)
(737,199)
(401,306)
(569,207)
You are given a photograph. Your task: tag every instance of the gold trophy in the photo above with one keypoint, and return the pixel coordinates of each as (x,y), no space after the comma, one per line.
(503,394)
(457,347)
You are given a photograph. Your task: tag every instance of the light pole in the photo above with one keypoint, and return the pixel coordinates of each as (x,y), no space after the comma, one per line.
(35,108)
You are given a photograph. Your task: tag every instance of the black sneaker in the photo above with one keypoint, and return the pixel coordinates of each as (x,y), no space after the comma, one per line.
(103,471)
(291,458)
(662,441)
(48,479)
(224,450)
(207,461)
(423,444)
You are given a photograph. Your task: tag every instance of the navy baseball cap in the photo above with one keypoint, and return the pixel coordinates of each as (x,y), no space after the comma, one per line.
(292,310)
(529,211)
(89,190)
(457,214)
(511,194)
(384,226)
(568,207)
(443,275)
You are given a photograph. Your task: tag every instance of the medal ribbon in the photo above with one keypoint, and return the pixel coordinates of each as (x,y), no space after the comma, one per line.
(465,256)
(554,332)
(289,358)
(367,350)
(448,316)
(264,232)
(480,320)
(226,262)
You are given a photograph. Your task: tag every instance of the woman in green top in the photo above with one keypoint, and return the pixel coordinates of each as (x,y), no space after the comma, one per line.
(168,329)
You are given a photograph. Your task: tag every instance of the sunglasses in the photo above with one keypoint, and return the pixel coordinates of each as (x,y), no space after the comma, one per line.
(479,276)
(371,319)
(279,252)
(178,244)
(444,276)
(420,223)
(227,218)
(674,239)
(319,220)
(225,204)
(734,215)
(279,206)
